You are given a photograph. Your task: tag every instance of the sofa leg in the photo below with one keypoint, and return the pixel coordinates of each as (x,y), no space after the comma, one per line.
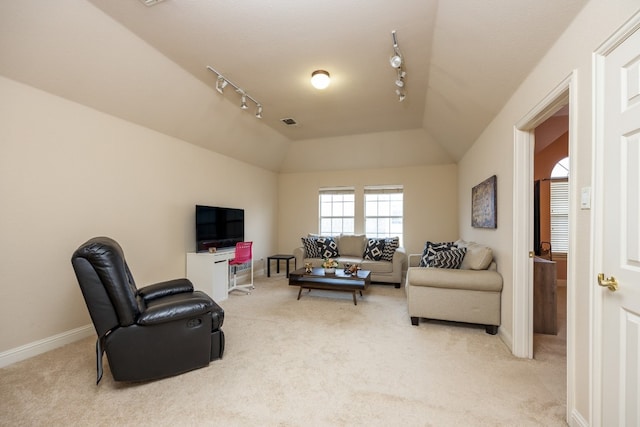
(415,320)
(491,329)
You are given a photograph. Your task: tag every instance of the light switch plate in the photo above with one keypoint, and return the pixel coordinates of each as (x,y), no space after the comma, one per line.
(585,198)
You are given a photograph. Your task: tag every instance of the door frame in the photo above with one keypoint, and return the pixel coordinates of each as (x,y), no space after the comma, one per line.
(597,217)
(524,144)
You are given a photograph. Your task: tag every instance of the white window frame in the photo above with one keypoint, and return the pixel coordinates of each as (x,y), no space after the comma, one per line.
(336,211)
(380,218)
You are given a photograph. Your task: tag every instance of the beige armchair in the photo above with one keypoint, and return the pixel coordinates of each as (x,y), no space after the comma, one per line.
(470,294)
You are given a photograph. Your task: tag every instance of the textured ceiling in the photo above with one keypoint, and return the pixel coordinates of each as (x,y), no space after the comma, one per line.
(463,60)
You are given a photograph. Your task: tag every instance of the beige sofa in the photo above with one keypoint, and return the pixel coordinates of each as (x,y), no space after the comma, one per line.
(351,250)
(470,294)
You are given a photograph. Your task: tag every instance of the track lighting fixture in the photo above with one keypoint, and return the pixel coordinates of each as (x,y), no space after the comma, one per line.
(223,82)
(320,79)
(397,62)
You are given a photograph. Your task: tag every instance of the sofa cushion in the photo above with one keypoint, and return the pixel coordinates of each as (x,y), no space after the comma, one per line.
(449,259)
(352,244)
(377,266)
(343,260)
(311,249)
(328,247)
(430,250)
(374,249)
(391,244)
(460,279)
(478,257)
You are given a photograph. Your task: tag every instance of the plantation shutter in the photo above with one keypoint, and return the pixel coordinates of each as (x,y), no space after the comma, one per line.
(560,216)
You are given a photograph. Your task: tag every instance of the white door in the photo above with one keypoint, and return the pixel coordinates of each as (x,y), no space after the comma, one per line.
(616,318)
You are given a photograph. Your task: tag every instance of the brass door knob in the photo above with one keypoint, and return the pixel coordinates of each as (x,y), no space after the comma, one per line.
(609,282)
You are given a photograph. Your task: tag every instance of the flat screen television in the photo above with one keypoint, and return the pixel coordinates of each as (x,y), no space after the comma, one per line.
(218,227)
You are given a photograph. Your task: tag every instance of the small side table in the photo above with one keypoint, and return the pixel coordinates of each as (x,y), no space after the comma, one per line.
(277,258)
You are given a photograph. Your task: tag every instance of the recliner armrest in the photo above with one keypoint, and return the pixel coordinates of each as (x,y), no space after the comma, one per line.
(175,307)
(165,289)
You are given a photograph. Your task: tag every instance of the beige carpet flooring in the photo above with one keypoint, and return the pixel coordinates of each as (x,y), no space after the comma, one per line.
(320,361)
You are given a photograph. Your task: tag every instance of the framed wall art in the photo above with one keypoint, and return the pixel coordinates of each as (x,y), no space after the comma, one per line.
(484,207)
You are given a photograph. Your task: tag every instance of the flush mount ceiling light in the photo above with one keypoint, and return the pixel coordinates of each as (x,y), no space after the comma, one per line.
(397,62)
(223,82)
(150,2)
(320,79)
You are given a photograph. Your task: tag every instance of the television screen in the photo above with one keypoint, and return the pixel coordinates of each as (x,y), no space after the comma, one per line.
(218,227)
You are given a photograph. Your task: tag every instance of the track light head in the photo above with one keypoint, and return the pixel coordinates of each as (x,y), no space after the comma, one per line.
(221,83)
(259,111)
(401,95)
(396,61)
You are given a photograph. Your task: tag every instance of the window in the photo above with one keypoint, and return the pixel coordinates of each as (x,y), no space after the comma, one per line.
(560,207)
(383,211)
(337,213)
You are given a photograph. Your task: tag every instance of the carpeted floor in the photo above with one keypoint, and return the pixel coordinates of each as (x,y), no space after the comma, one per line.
(314,362)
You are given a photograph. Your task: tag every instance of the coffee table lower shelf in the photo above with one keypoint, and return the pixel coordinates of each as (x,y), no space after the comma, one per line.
(332,282)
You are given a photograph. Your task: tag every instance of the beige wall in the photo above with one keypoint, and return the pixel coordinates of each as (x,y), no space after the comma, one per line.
(366,151)
(493,154)
(430,202)
(68,173)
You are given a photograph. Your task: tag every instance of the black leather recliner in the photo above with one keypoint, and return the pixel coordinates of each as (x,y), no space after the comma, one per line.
(149,333)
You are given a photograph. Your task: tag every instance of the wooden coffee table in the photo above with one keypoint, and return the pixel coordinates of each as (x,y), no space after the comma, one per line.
(340,281)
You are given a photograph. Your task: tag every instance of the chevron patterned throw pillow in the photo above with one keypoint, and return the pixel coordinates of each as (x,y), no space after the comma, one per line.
(390,246)
(430,250)
(311,249)
(449,259)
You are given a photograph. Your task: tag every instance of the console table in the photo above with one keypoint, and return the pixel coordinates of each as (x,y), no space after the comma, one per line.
(209,272)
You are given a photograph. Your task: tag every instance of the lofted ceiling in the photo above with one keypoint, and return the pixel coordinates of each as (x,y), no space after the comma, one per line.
(463,58)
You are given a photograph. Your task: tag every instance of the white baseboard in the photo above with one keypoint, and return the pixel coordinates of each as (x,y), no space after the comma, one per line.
(47,344)
(42,346)
(506,338)
(577,420)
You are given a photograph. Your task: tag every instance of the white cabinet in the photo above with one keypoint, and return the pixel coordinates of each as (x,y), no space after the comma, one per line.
(210,272)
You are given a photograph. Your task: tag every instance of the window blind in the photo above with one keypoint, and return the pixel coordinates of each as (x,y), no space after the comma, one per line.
(560,216)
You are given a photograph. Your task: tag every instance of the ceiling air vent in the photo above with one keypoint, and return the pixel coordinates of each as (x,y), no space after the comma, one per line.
(289,121)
